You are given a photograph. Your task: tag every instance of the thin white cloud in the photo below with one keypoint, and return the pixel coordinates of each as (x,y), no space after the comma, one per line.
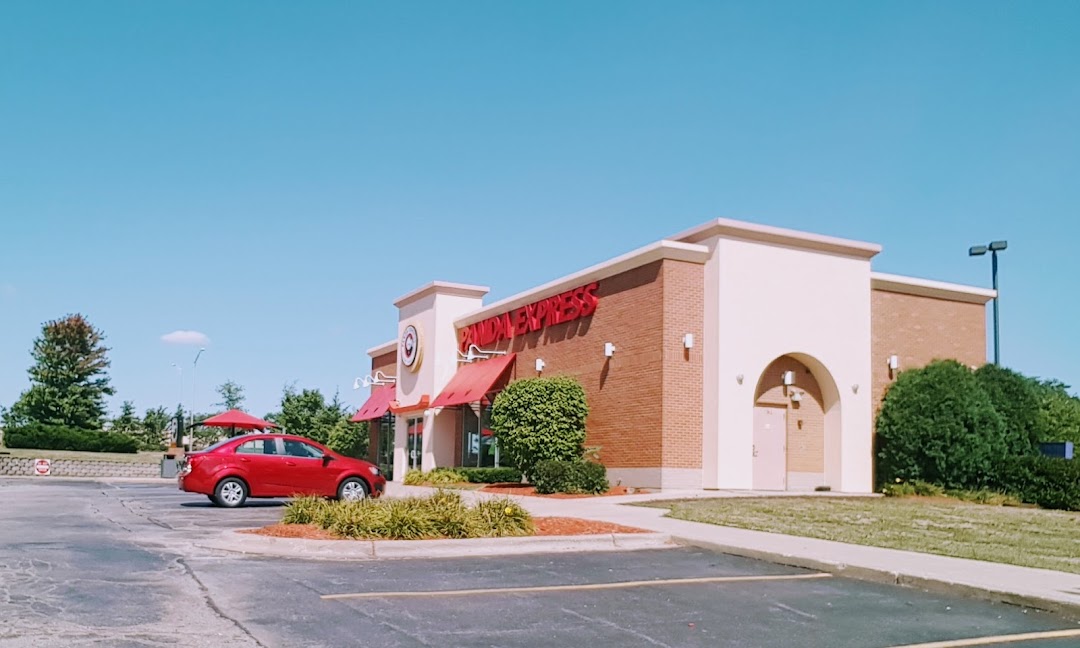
(193,338)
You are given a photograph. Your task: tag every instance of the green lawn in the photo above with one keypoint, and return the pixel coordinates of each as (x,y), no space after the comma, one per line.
(1017,536)
(141,457)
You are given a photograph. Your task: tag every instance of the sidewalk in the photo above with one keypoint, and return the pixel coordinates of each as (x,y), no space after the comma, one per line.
(1040,588)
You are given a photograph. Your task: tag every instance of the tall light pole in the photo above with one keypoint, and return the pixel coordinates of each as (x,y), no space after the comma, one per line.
(179,432)
(194,368)
(979,250)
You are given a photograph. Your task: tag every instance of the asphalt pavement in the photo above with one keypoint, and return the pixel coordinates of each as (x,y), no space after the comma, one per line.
(94,564)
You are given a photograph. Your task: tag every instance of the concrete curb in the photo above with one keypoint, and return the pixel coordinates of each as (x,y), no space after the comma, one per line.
(889,577)
(250,544)
(159,481)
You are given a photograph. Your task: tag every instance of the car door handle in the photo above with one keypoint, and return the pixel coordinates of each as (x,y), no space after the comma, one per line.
(243,460)
(290,463)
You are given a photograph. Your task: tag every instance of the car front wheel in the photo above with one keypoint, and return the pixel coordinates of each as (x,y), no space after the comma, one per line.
(231,492)
(352,489)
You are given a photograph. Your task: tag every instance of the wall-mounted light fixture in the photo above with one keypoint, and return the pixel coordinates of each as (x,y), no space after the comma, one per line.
(476,353)
(609,349)
(789,378)
(539,365)
(796,397)
(688,341)
(855,388)
(739,378)
(378,378)
(894,362)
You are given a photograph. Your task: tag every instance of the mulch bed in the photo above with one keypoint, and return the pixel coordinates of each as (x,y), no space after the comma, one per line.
(545,526)
(526,489)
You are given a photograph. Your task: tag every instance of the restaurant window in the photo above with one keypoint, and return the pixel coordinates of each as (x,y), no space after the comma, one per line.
(478,446)
(416,443)
(384,454)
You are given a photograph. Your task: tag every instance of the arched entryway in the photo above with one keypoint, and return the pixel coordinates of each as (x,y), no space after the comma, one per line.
(796,425)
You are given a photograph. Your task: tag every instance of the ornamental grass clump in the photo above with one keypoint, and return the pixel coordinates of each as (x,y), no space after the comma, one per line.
(441,515)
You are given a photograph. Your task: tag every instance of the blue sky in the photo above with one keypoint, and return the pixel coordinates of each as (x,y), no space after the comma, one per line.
(274,174)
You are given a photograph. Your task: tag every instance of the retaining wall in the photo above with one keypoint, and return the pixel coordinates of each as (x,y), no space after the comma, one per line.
(80,468)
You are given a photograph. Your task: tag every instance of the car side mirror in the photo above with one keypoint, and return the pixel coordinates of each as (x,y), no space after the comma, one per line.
(326,459)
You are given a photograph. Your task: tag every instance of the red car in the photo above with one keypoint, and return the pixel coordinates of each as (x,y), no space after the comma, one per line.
(276,465)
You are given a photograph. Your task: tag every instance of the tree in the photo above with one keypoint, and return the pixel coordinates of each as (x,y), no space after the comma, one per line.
(938,424)
(68,379)
(539,419)
(127,422)
(306,413)
(349,439)
(232,396)
(154,424)
(1059,412)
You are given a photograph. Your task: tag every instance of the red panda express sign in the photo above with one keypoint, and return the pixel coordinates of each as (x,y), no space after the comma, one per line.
(558,309)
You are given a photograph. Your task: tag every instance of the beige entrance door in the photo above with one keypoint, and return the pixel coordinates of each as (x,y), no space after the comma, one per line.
(770,448)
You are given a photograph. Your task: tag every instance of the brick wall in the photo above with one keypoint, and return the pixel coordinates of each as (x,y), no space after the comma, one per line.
(920,330)
(683,369)
(805,419)
(645,401)
(81,468)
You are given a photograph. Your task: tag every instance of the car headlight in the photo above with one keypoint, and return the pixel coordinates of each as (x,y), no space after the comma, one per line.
(374,470)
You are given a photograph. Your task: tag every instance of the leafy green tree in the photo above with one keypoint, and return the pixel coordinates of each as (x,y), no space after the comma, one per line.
(1059,412)
(540,419)
(155,422)
(1017,402)
(232,396)
(308,414)
(127,422)
(349,439)
(68,379)
(937,424)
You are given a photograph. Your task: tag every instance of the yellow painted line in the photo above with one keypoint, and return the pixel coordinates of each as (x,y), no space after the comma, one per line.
(996,640)
(572,588)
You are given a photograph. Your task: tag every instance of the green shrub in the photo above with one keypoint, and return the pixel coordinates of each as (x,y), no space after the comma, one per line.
(349,439)
(912,489)
(1046,481)
(40,436)
(569,477)
(1016,400)
(441,515)
(938,425)
(490,475)
(540,419)
(437,477)
(502,517)
(304,510)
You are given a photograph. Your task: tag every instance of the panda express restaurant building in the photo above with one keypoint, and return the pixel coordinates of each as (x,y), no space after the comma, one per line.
(732,355)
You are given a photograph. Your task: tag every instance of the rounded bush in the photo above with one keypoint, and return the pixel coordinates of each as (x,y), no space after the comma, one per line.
(1016,399)
(569,477)
(937,424)
(349,439)
(540,419)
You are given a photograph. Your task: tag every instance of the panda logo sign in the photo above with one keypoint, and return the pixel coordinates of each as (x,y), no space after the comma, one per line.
(410,348)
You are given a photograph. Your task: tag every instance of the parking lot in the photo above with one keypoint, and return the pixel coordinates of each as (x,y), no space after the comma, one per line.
(90,564)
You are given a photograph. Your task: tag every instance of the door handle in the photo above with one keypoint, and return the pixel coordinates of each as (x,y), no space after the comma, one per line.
(243,460)
(290,463)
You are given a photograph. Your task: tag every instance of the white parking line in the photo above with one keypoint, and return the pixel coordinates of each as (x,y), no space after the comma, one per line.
(570,588)
(996,640)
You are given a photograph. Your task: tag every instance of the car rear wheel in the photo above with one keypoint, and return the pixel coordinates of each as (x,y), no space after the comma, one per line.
(352,489)
(231,492)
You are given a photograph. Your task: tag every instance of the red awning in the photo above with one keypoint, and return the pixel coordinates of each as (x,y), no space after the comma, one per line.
(418,406)
(237,419)
(377,404)
(473,381)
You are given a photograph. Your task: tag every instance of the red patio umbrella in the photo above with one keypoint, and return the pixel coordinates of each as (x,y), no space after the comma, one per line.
(236,420)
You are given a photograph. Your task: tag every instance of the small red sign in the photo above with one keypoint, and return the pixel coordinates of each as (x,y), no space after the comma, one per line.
(42,467)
